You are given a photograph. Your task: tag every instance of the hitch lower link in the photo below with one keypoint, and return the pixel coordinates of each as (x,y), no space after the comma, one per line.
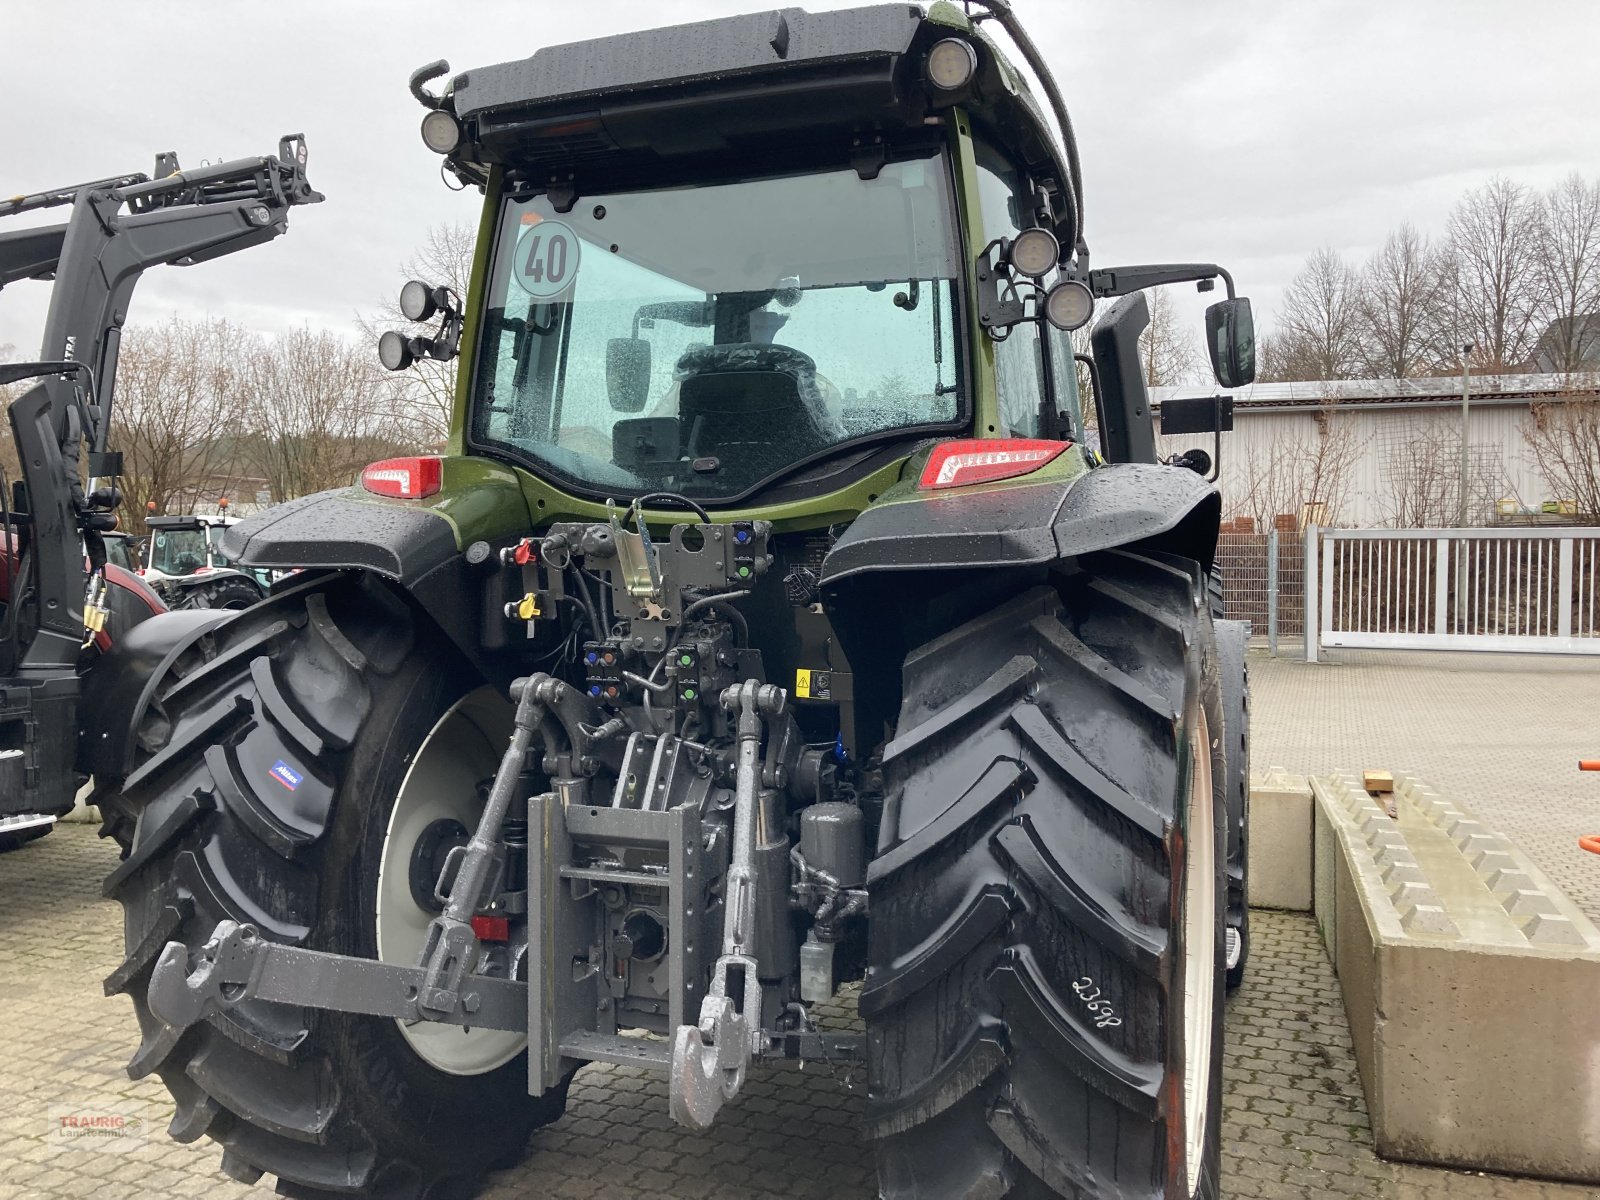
(237,963)
(710,1059)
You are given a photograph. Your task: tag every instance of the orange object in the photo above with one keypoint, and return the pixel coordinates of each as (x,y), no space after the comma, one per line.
(1590,842)
(1589,764)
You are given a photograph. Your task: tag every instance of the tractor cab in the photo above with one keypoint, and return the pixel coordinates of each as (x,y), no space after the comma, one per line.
(186,564)
(185,545)
(758,260)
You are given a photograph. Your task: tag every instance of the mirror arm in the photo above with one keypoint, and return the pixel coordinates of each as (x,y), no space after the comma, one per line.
(1120,281)
(998,309)
(1094,383)
(682,312)
(1216,442)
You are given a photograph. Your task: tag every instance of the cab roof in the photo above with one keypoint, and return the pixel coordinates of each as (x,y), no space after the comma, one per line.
(781,83)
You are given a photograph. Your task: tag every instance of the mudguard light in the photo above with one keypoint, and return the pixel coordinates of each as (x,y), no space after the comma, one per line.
(978,460)
(403,478)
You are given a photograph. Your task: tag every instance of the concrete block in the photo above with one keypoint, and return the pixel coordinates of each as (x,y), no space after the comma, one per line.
(1469,981)
(1280,841)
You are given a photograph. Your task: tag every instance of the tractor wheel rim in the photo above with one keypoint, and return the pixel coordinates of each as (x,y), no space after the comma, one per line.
(1200,951)
(462,748)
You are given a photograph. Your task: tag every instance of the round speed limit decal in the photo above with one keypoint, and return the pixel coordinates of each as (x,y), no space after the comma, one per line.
(546,261)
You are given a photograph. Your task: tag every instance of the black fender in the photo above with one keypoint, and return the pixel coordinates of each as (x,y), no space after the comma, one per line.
(117,688)
(411,546)
(341,530)
(1020,526)
(911,569)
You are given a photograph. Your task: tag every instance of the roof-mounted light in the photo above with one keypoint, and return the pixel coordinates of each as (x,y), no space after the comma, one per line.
(440,132)
(984,460)
(1034,253)
(952,62)
(1068,305)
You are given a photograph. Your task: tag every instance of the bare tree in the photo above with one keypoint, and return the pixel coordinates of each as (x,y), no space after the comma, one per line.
(1564,436)
(1420,474)
(1167,345)
(1568,259)
(318,413)
(1494,250)
(180,413)
(425,398)
(1403,305)
(1294,468)
(1318,334)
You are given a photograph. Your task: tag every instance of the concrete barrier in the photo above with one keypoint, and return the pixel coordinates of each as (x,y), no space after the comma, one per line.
(1472,985)
(1280,841)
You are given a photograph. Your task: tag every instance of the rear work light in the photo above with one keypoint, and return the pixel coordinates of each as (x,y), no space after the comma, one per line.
(976,460)
(403,478)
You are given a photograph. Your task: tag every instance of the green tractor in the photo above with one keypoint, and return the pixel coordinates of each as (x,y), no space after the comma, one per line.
(771,631)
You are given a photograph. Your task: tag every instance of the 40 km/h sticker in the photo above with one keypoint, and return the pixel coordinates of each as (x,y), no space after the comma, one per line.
(546,262)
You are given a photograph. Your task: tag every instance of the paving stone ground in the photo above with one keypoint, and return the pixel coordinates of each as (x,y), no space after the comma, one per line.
(1295,1123)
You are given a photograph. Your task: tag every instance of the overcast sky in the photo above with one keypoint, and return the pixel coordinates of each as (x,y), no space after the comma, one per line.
(1246,133)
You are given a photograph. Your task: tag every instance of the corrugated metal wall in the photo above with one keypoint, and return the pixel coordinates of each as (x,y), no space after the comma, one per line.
(1374,467)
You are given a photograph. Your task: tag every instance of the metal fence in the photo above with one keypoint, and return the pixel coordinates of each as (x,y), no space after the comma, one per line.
(1263,582)
(1468,589)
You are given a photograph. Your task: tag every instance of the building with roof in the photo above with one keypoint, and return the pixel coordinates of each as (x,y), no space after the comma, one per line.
(1569,343)
(1387,452)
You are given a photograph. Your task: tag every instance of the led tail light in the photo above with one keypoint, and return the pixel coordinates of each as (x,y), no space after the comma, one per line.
(403,478)
(978,460)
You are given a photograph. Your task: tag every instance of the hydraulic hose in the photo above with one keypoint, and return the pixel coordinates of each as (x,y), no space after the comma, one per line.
(1001,11)
(719,604)
(680,500)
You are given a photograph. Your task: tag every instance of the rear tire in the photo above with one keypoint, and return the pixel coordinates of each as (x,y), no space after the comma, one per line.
(1044,996)
(1232,637)
(231,592)
(334,686)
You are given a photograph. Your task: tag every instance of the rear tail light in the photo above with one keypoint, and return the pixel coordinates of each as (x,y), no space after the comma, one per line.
(976,460)
(403,478)
(491,929)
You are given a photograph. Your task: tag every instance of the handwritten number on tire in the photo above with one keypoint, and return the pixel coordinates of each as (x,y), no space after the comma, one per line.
(1104,1015)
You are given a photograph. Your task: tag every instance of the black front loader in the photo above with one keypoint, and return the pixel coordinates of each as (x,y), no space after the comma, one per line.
(57,603)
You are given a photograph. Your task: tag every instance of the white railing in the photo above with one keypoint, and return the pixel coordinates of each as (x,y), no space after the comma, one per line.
(1534,590)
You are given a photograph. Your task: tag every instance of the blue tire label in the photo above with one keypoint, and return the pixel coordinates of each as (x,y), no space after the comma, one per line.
(286,775)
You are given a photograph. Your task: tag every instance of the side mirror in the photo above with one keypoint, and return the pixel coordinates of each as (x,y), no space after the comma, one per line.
(1231,339)
(628,373)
